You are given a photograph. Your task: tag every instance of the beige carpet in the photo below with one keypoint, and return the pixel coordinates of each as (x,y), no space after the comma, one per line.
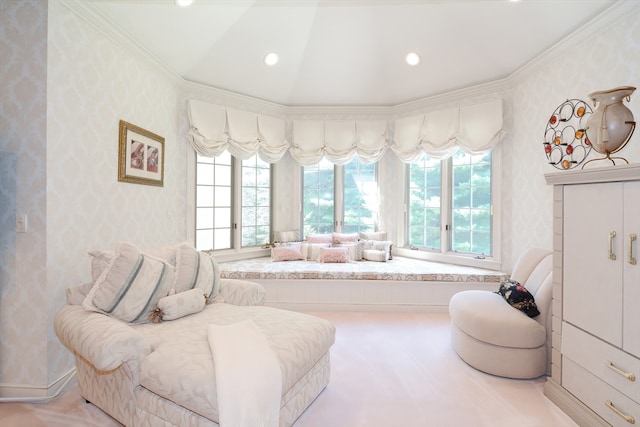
(388,370)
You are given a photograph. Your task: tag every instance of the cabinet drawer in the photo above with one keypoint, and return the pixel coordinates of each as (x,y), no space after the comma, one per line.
(596,394)
(603,360)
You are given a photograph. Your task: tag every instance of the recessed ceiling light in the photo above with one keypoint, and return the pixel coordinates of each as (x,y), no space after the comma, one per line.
(184,3)
(413,58)
(271,59)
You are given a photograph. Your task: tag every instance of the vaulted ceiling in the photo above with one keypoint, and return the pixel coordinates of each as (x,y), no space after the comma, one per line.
(349,52)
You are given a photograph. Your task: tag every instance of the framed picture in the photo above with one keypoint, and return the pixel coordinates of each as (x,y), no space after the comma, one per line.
(140,156)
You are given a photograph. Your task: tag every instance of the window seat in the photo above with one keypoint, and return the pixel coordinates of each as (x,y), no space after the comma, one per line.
(400,284)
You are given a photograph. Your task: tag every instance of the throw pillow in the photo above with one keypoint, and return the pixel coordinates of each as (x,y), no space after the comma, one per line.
(375,255)
(319,238)
(179,305)
(196,269)
(379,245)
(373,235)
(335,254)
(518,297)
(355,250)
(344,238)
(286,236)
(131,285)
(311,251)
(287,253)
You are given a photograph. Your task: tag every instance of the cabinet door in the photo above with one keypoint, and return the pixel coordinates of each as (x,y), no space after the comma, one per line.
(631,305)
(592,281)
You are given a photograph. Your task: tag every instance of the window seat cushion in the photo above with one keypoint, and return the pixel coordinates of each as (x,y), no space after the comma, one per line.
(399,268)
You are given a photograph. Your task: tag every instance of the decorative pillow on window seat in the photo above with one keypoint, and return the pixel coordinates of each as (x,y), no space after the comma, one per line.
(287,252)
(518,297)
(311,251)
(335,254)
(375,255)
(319,238)
(286,236)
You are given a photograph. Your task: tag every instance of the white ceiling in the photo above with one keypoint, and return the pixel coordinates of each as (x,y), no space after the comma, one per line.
(350,52)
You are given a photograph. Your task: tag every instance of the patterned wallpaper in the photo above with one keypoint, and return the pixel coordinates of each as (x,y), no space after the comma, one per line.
(605,59)
(65,86)
(23,147)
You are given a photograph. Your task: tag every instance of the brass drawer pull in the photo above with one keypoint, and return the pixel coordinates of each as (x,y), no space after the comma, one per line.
(627,418)
(628,375)
(632,238)
(612,256)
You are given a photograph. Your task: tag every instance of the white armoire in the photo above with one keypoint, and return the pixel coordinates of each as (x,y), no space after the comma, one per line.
(595,363)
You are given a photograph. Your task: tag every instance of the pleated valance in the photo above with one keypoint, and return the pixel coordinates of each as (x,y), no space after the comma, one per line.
(338,140)
(215,128)
(474,129)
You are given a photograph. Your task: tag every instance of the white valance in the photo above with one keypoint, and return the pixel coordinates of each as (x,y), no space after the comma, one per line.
(338,140)
(215,128)
(439,134)
(474,129)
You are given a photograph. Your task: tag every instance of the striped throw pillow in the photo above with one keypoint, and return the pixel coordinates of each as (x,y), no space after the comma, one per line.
(131,285)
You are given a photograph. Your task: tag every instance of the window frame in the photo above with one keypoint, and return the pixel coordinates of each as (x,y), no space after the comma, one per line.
(236,251)
(338,198)
(444,254)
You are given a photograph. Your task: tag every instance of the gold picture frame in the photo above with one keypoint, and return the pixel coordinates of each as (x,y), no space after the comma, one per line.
(140,156)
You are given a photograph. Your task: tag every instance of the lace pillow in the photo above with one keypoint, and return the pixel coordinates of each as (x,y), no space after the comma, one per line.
(336,254)
(287,253)
(319,238)
(518,297)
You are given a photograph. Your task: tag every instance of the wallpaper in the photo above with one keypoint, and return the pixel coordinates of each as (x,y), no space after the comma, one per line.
(68,87)
(605,59)
(23,292)
(65,86)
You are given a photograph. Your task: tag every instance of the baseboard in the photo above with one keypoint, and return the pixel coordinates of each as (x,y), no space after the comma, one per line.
(10,393)
(352,307)
(578,411)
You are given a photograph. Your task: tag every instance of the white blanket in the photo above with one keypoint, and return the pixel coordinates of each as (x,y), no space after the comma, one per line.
(248,377)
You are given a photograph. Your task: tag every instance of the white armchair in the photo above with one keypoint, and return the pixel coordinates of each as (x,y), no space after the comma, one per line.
(496,338)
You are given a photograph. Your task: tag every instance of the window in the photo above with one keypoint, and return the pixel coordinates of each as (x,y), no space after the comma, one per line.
(318,198)
(360,196)
(219,199)
(339,198)
(256,202)
(455,192)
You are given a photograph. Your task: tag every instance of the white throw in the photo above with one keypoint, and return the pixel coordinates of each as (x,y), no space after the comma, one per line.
(248,377)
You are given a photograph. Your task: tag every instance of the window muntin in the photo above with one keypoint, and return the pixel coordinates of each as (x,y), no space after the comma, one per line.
(471,203)
(256,202)
(360,192)
(465,181)
(318,198)
(224,186)
(425,196)
(340,198)
(214,202)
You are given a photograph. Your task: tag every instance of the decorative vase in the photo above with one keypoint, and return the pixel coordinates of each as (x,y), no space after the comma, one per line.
(611,125)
